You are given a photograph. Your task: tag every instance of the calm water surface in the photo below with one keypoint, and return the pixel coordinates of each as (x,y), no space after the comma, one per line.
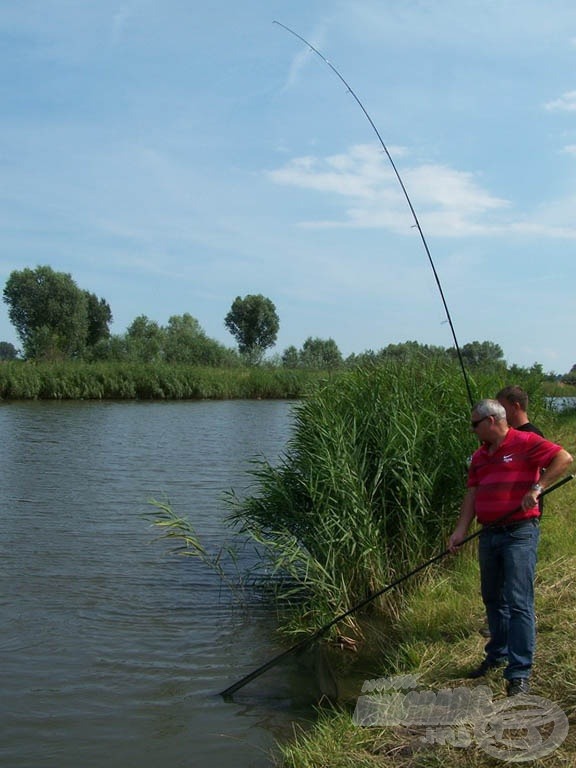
(111,648)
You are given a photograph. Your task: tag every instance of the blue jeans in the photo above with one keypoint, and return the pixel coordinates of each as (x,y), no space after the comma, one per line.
(507,569)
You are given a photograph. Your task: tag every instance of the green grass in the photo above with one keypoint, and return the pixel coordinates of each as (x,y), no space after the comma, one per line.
(436,635)
(140,381)
(367,488)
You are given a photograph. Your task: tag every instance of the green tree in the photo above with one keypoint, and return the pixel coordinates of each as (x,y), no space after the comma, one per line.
(145,340)
(406,352)
(254,323)
(186,342)
(320,353)
(8,351)
(184,337)
(290,357)
(366,358)
(485,354)
(570,377)
(48,311)
(412,351)
(99,319)
(114,348)
(536,370)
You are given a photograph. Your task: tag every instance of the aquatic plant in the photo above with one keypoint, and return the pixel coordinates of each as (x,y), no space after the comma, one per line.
(181,534)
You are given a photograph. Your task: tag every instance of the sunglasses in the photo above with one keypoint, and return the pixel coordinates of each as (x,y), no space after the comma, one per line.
(474,424)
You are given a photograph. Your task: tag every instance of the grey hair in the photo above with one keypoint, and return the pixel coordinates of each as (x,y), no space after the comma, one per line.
(490,408)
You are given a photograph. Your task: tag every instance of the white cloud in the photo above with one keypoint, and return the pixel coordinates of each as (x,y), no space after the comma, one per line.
(566,103)
(570,149)
(452,202)
(446,188)
(359,174)
(448,202)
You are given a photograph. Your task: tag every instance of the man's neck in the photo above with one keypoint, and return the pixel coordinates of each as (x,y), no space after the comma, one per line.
(498,440)
(520,420)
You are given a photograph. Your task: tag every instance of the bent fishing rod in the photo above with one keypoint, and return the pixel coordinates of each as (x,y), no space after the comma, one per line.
(406,195)
(228,692)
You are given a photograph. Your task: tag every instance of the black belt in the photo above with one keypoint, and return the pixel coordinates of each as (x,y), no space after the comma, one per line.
(512,526)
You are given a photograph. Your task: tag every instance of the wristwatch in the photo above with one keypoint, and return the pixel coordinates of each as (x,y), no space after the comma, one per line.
(537,487)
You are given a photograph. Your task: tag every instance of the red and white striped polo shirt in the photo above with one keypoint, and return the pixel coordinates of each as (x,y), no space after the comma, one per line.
(503,478)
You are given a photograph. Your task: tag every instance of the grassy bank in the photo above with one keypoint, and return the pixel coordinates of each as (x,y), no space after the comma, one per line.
(436,635)
(138,381)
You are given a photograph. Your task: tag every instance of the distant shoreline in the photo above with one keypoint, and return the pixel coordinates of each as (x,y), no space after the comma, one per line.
(143,381)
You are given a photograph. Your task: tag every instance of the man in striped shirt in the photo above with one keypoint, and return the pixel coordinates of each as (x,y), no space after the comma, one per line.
(504,484)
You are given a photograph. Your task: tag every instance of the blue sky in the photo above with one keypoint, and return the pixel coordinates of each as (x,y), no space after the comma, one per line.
(173,155)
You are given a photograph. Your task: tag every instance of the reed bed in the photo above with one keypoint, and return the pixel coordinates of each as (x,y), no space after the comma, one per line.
(142,381)
(368,488)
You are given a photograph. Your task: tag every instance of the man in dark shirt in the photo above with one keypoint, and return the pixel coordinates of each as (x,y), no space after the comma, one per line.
(514,399)
(515,402)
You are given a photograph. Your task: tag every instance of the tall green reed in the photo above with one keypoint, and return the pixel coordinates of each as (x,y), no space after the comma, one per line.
(79,380)
(369,485)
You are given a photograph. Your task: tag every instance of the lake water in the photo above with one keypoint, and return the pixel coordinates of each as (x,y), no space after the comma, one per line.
(113,649)
(562,403)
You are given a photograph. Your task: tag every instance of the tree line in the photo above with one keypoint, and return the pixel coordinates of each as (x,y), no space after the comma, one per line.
(56,320)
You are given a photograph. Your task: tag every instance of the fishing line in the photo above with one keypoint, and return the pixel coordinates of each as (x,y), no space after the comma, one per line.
(406,195)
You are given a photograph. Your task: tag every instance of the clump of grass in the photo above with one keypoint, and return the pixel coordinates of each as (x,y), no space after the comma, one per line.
(335,740)
(368,487)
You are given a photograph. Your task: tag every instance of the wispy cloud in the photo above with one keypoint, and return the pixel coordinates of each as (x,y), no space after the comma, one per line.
(566,103)
(360,173)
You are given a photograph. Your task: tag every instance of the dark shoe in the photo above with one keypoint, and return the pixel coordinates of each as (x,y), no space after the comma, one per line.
(484,630)
(517,686)
(486,666)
